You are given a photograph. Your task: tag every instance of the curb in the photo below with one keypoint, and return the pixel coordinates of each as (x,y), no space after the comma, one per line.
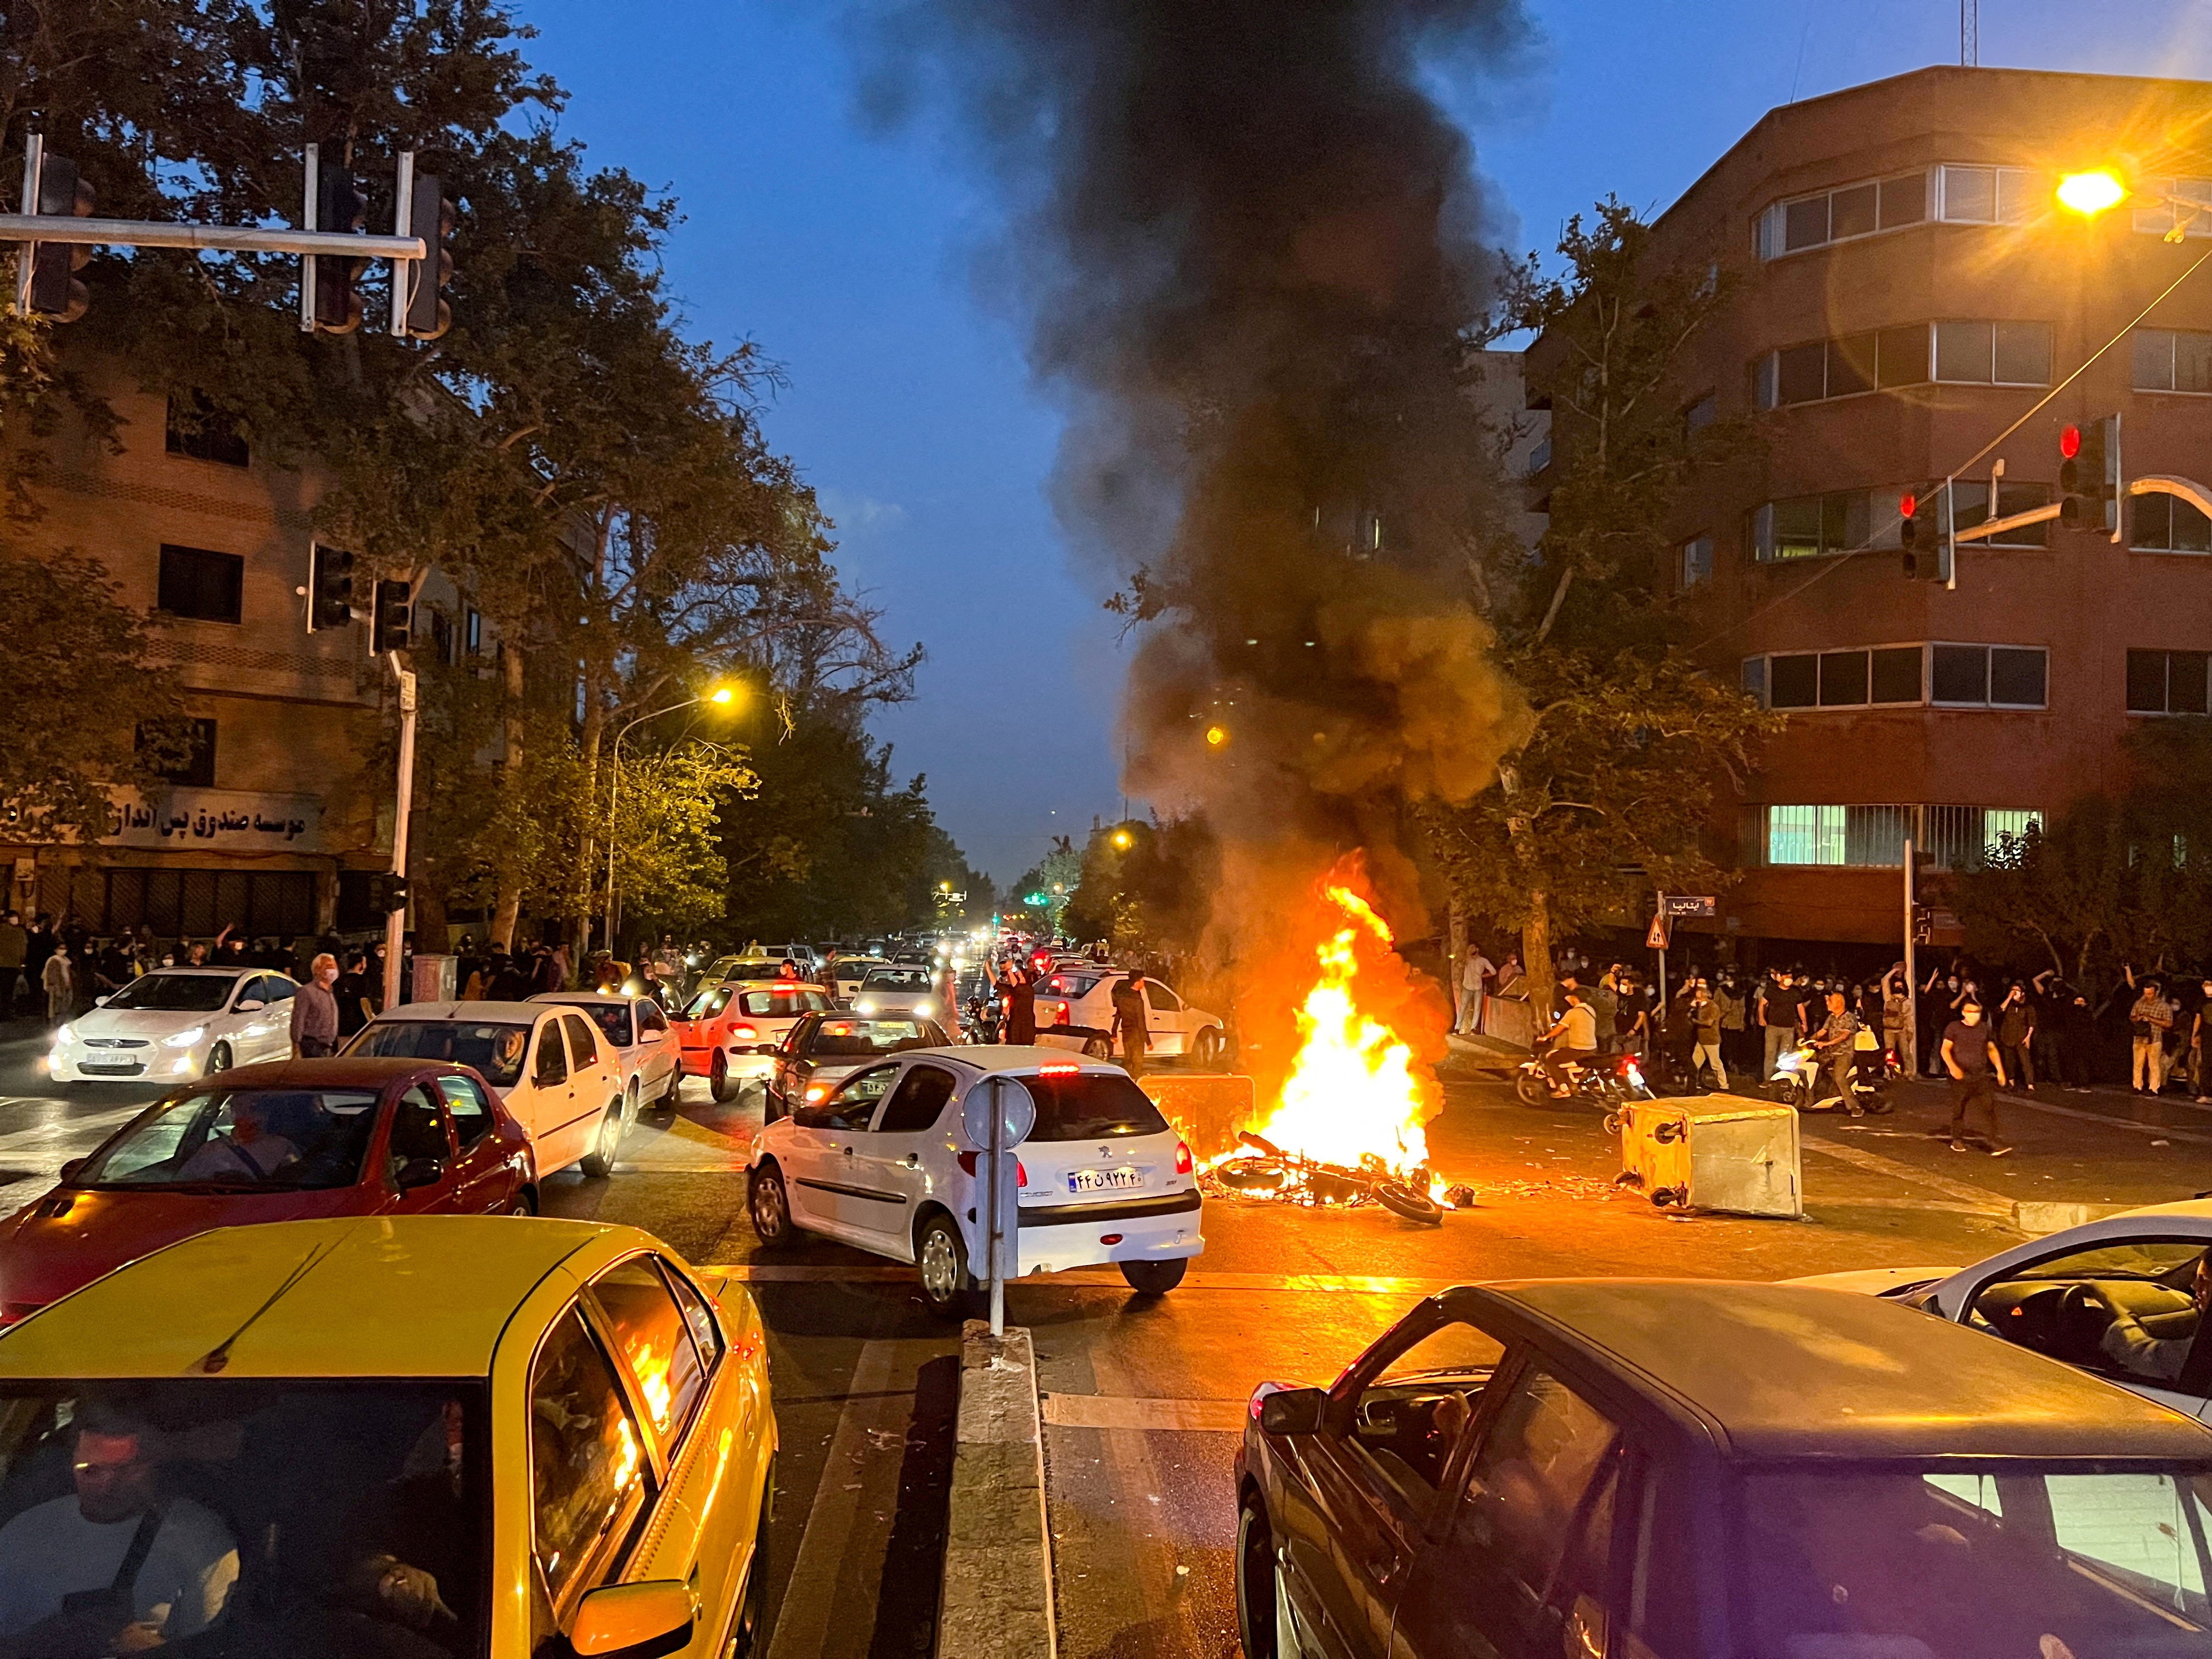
(2039,1218)
(995,1598)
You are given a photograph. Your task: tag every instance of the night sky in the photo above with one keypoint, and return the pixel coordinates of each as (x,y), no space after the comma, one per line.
(851,257)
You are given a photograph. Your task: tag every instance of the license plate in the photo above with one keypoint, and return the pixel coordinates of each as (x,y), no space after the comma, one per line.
(111,1065)
(1104,1180)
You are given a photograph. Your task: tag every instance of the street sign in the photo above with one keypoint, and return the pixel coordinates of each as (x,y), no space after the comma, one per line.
(1655,938)
(1686,904)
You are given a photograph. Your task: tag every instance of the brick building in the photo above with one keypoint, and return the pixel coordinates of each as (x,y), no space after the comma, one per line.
(1906,289)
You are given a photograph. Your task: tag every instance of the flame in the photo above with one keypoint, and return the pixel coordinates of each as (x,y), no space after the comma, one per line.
(1357,1090)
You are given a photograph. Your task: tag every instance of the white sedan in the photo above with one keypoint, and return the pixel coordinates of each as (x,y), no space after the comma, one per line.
(645,1047)
(898,994)
(178,1023)
(2059,1294)
(886,1164)
(1075,1010)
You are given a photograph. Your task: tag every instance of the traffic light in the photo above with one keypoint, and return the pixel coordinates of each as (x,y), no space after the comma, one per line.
(2089,475)
(55,290)
(330,588)
(339,205)
(1926,557)
(386,892)
(1924,924)
(430,217)
(394,627)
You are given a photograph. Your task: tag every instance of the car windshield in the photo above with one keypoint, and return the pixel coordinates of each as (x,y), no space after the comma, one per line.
(709,1003)
(1968,1560)
(242,1140)
(495,1050)
(176,993)
(895,979)
(854,968)
(773,1005)
(1083,1105)
(612,1018)
(1070,985)
(297,1492)
(868,1037)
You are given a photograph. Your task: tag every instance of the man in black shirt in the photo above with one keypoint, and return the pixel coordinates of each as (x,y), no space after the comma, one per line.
(1129,1017)
(1970,1054)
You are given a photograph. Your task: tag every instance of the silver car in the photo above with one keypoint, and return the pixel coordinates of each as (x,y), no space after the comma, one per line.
(885,991)
(823,1050)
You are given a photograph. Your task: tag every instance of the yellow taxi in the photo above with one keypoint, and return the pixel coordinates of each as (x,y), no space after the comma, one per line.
(473,1436)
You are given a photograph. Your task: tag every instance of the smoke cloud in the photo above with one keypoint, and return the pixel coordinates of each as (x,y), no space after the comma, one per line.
(1248,246)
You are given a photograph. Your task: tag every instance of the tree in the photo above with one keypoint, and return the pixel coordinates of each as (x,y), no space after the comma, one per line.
(1055,876)
(1147,889)
(1620,764)
(89,705)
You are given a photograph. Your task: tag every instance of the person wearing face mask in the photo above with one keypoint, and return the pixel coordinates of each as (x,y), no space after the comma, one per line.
(1976,1069)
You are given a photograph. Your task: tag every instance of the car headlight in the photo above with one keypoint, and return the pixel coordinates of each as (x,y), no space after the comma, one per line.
(185,1039)
(924,1011)
(866,1006)
(64,1034)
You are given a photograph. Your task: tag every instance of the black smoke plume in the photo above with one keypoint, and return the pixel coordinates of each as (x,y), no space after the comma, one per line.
(1249,248)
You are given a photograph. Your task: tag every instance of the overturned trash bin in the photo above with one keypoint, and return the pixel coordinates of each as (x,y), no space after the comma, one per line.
(1725,1154)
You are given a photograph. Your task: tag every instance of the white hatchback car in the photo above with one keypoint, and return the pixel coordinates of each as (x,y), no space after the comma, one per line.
(2056,1295)
(549,1066)
(178,1023)
(1075,1010)
(885,1164)
(645,1047)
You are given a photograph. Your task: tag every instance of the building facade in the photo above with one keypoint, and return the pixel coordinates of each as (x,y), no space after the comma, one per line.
(1904,288)
(286,804)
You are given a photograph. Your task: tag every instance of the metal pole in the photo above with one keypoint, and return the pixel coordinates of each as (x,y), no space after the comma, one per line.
(27,253)
(1908,1062)
(402,206)
(614,797)
(997,1234)
(395,925)
(310,210)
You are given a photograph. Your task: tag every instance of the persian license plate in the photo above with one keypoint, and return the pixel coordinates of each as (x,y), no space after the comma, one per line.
(129,1067)
(1104,1180)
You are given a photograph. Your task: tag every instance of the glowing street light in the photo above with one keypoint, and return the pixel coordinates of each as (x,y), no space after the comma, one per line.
(2091,193)
(724,695)
(1122,839)
(1216,736)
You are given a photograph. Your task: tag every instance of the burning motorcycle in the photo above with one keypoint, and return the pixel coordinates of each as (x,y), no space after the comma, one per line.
(1271,1172)
(1606,1082)
(1799,1080)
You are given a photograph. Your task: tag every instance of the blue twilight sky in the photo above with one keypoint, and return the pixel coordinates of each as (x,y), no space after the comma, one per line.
(846,255)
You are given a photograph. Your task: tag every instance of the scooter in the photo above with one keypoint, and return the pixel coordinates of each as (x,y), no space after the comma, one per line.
(1800,1081)
(1606,1081)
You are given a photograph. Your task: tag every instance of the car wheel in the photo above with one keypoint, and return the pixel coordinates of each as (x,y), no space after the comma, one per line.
(1255,1583)
(525,1203)
(1155,1278)
(941,1255)
(673,1096)
(769,1206)
(718,1077)
(599,1161)
(1098,1048)
(218,1059)
(752,1632)
(1210,1049)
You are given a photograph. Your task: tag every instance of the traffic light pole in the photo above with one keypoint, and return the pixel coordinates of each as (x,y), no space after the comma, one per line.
(1908,1062)
(395,924)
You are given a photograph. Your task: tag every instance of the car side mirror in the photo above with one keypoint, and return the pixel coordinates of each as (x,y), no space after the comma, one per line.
(1295,1411)
(252,1004)
(419,1172)
(69,1169)
(99,1002)
(634,1621)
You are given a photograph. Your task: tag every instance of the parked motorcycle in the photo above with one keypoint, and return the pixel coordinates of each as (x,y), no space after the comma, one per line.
(1800,1081)
(1605,1082)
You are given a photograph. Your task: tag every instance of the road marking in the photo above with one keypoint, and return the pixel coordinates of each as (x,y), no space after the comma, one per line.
(1103,1411)
(1981,1200)
(839,1563)
(1096,1278)
(675,1166)
(1937,1205)
(2164,1131)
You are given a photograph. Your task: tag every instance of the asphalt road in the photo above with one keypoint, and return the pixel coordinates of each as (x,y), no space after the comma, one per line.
(1143,1396)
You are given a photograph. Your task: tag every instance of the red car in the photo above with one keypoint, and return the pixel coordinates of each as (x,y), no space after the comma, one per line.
(293,1140)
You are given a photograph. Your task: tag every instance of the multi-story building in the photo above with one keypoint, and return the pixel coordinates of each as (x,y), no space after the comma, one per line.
(286,804)
(1904,289)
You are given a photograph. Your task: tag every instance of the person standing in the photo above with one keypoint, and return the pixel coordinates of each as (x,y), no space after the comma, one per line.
(1130,1017)
(352,993)
(1969,1053)
(1473,985)
(1895,1008)
(1017,1005)
(1705,1035)
(1777,1019)
(2200,1076)
(315,1011)
(2016,1033)
(1728,1001)
(38,945)
(58,981)
(14,945)
(2149,1018)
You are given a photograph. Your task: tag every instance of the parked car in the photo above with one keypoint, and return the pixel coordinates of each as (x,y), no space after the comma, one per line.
(723,969)
(290,1141)
(1075,1010)
(849,971)
(1638,1468)
(2060,1294)
(911,992)
(732,1031)
(417,1434)
(177,1022)
(823,1050)
(885,1164)
(549,1066)
(645,1046)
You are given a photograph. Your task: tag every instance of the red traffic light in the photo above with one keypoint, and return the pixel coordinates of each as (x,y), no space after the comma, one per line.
(1907,505)
(2069,442)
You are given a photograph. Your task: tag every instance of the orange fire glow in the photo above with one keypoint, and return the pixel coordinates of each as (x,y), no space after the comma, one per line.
(1357,1089)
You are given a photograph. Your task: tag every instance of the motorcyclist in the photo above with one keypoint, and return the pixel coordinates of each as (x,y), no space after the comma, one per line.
(1570,1044)
(1832,1048)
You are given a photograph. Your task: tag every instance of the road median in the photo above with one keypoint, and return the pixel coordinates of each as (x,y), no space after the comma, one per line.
(996,1598)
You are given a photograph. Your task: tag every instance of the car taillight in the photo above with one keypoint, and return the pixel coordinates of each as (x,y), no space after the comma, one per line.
(1182,1158)
(969,1160)
(1057,1069)
(1061,1015)
(744,1033)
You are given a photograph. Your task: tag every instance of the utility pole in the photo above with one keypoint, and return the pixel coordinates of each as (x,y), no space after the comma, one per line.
(1908,1062)
(395,924)
(1969,34)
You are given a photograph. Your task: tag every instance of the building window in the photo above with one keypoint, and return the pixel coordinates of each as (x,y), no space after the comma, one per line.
(2167,524)
(2158,219)
(1988,196)
(198,429)
(1963,837)
(1888,676)
(474,634)
(1539,456)
(2167,682)
(1754,679)
(1813,526)
(199,584)
(1853,210)
(198,771)
(1989,677)
(1970,502)
(1993,354)
(1841,367)
(442,639)
(1873,836)
(1697,561)
(2167,359)
(1701,414)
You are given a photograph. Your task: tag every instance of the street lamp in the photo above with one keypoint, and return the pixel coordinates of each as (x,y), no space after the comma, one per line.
(1122,839)
(2091,193)
(721,697)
